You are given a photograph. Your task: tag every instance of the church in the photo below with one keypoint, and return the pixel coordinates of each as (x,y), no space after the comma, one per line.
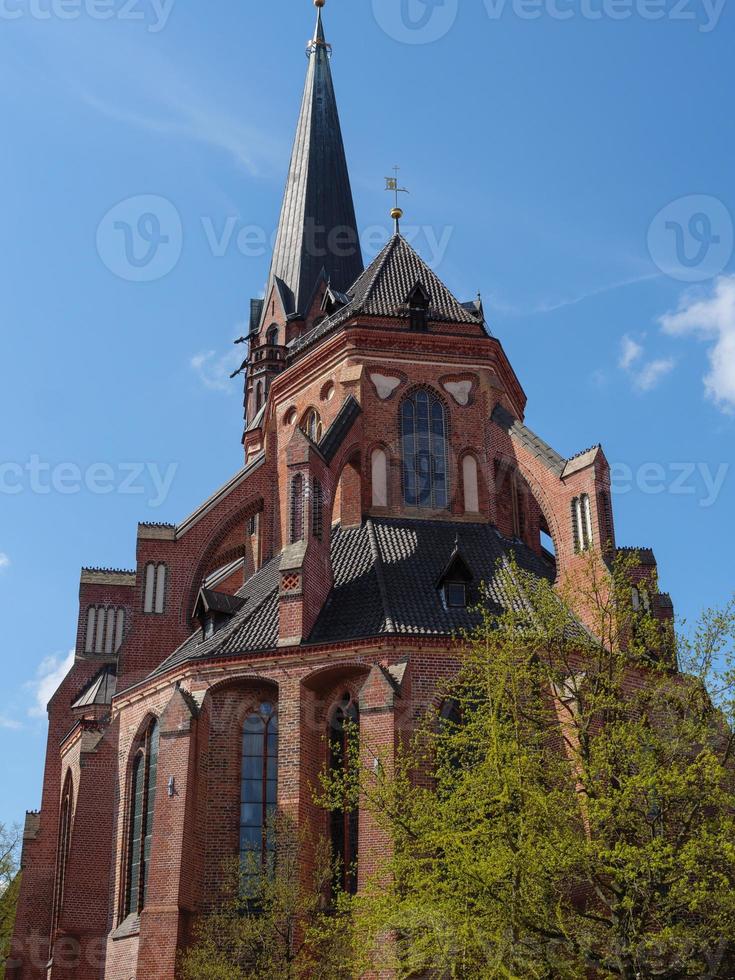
(387,474)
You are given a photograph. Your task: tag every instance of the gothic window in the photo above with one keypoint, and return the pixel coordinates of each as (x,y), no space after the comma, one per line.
(582,523)
(312,425)
(344,823)
(469,479)
(258,396)
(380,478)
(154,599)
(62,854)
(297,508)
(272,336)
(105,629)
(259,788)
(142,804)
(424,443)
(317,510)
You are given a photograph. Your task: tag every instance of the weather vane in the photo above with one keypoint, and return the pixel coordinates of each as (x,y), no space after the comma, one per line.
(391,184)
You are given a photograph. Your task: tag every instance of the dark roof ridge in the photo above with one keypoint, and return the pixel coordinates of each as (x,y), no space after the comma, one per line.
(378,559)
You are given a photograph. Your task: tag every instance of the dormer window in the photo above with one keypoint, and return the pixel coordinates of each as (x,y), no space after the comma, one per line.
(455,595)
(213,610)
(418,307)
(455,579)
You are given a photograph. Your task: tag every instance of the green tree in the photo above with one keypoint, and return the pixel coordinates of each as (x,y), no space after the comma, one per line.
(273,923)
(573,815)
(9,887)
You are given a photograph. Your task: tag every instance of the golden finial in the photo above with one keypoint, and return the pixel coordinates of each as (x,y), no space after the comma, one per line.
(391,184)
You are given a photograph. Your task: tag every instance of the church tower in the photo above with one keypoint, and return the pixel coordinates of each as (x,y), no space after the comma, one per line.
(317,243)
(388,474)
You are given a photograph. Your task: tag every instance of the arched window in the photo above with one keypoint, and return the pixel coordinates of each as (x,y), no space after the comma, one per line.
(471,490)
(317,510)
(259,788)
(64,845)
(272,336)
(154,600)
(258,396)
(141,804)
(582,523)
(312,425)
(424,439)
(380,478)
(297,509)
(105,629)
(344,823)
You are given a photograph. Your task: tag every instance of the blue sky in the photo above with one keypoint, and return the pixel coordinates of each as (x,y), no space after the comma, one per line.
(574,162)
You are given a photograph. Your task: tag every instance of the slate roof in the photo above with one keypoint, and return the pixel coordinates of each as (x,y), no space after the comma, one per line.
(337,431)
(382,290)
(318,197)
(99,691)
(385,582)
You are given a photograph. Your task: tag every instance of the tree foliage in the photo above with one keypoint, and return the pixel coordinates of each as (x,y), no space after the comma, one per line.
(574,815)
(10,840)
(273,922)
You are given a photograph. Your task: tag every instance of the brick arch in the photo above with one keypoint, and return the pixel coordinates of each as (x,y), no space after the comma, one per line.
(253,684)
(541,498)
(352,456)
(208,561)
(332,674)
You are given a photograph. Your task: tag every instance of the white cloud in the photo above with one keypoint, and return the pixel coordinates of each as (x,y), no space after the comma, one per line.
(214,369)
(630,352)
(49,675)
(711,318)
(9,724)
(4,561)
(651,373)
(645,375)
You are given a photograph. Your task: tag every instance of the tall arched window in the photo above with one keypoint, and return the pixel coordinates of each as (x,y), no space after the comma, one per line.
(142,805)
(62,853)
(105,629)
(344,823)
(582,523)
(380,478)
(317,509)
(424,438)
(154,599)
(259,788)
(297,509)
(471,489)
(312,425)
(272,336)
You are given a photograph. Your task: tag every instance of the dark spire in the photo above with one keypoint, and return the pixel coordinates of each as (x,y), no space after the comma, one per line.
(317,234)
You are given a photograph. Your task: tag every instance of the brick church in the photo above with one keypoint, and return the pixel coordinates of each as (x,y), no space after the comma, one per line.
(387,471)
